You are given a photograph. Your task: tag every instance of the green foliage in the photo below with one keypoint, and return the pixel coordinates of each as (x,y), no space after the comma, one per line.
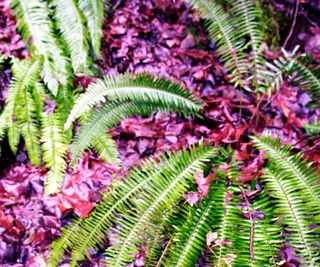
(54,150)
(74,32)
(239,36)
(93,11)
(36,29)
(146,208)
(149,191)
(140,88)
(19,114)
(292,181)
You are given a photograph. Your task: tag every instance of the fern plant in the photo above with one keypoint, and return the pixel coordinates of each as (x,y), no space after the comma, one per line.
(147,208)
(79,27)
(239,40)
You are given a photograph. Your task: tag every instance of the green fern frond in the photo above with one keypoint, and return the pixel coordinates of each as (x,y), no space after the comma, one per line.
(293,214)
(26,119)
(142,87)
(73,31)
(258,238)
(64,243)
(276,71)
(35,27)
(107,149)
(149,190)
(307,75)
(190,238)
(246,18)
(25,76)
(295,169)
(93,11)
(54,147)
(221,29)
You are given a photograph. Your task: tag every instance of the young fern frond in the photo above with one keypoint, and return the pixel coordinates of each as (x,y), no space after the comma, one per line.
(35,27)
(73,31)
(289,204)
(294,168)
(246,18)
(221,29)
(54,145)
(149,191)
(93,11)
(142,87)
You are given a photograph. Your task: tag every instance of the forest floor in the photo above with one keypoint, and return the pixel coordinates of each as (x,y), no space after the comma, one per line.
(166,39)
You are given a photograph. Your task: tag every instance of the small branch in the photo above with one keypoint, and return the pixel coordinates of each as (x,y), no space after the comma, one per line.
(293,24)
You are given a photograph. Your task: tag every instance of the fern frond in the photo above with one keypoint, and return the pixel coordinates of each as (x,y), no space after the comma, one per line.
(26,118)
(150,190)
(25,76)
(307,75)
(257,239)
(35,27)
(246,18)
(93,11)
(64,243)
(73,31)
(276,71)
(292,209)
(295,168)
(107,148)
(221,29)
(165,190)
(143,88)
(190,238)
(54,146)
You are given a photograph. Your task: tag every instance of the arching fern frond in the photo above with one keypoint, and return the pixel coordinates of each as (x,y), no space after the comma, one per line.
(93,11)
(294,168)
(54,145)
(35,27)
(142,87)
(246,18)
(73,31)
(149,190)
(293,214)
(222,30)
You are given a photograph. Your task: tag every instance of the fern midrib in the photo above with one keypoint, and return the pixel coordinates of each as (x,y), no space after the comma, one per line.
(150,210)
(296,171)
(194,233)
(295,216)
